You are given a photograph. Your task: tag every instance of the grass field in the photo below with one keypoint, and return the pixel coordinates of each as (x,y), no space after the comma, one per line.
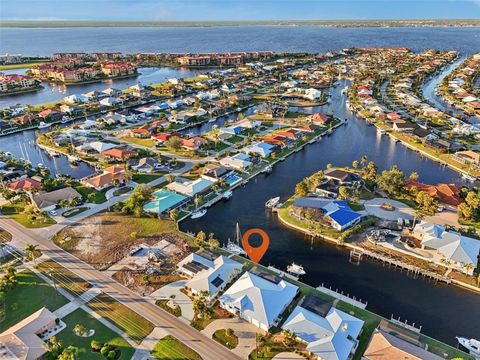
(15,211)
(171,348)
(63,278)
(99,195)
(135,326)
(226,339)
(30,295)
(21,66)
(145,178)
(72,212)
(139,141)
(102,335)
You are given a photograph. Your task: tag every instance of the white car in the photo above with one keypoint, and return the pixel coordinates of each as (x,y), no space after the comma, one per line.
(53,212)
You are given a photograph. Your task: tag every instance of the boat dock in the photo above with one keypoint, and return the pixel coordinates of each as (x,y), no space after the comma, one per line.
(344,297)
(282,273)
(357,254)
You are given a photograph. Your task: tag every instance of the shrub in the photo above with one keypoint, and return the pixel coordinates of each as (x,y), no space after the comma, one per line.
(96,346)
(112,355)
(105,350)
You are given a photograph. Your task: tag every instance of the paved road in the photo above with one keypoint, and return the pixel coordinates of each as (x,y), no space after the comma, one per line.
(206,347)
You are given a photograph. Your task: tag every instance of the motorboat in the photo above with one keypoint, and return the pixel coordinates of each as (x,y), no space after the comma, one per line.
(296,269)
(469,177)
(267,170)
(234,246)
(65,120)
(227,194)
(212,120)
(198,214)
(44,125)
(273,202)
(472,345)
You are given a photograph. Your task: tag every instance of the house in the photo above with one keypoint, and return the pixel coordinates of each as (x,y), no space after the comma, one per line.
(50,114)
(329,333)
(22,340)
(318,119)
(194,143)
(289,134)
(26,184)
(47,201)
(342,177)
(118,154)
(239,161)
(162,137)
(337,212)
(209,273)
(215,173)
(259,148)
(467,157)
(401,125)
(95,147)
(107,178)
(313,94)
(385,345)
(458,250)
(258,298)
(190,187)
(145,165)
(111,101)
(448,194)
(141,132)
(112,92)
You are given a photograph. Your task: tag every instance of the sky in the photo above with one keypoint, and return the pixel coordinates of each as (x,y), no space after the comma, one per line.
(188,10)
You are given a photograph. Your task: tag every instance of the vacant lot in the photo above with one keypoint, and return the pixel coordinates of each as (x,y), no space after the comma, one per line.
(63,278)
(102,334)
(171,348)
(104,239)
(135,326)
(29,295)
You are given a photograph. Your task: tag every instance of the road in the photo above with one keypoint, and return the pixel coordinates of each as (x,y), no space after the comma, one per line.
(206,347)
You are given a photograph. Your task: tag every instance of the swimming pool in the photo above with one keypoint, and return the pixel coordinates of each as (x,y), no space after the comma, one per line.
(164,200)
(233,179)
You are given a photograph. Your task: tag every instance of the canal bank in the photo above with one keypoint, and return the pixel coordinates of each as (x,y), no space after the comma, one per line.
(388,291)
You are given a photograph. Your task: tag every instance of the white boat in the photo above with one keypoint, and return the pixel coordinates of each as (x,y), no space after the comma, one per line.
(212,120)
(271,203)
(198,214)
(65,120)
(296,269)
(227,194)
(44,125)
(73,159)
(469,177)
(267,170)
(234,246)
(472,345)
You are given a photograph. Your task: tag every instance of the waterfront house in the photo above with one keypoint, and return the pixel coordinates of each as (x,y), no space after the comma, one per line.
(118,154)
(71,109)
(190,187)
(329,333)
(95,147)
(342,177)
(448,194)
(76,99)
(259,298)
(107,178)
(386,345)
(215,172)
(112,92)
(209,273)
(47,201)
(50,114)
(403,126)
(26,184)
(313,94)
(25,119)
(22,340)
(194,143)
(318,119)
(162,137)
(455,249)
(238,161)
(260,148)
(111,101)
(467,157)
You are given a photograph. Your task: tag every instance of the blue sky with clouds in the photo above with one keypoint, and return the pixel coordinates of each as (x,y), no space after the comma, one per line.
(178,10)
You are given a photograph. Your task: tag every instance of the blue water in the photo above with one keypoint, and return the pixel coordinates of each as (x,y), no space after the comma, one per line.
(233,179)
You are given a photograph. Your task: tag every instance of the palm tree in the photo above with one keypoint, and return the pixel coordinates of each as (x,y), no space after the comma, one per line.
(30,250)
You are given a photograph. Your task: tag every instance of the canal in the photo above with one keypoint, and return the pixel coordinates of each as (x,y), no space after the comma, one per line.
(443,311)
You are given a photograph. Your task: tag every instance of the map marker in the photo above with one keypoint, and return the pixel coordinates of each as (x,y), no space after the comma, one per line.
(255,253)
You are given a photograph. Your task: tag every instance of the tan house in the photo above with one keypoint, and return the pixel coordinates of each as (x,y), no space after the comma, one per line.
(22,340)
(106,179)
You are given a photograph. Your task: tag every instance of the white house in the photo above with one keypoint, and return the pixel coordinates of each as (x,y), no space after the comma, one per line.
(209,273)
(313,94)
(239,161)
(259,299)
(190,187)
(457,249)
(329,333)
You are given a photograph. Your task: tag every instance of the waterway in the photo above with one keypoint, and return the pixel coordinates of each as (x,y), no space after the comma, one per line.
(55,92)
(443,311)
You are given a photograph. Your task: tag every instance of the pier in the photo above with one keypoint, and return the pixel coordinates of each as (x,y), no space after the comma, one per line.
(357,254)
(352,300)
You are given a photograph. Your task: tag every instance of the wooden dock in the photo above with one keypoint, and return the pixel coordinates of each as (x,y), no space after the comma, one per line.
(357,254)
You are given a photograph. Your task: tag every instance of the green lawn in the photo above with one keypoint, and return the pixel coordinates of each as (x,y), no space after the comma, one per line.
(30,295)
(226,339)
(99,195)
(172,349)
(135,326)
(102,335)
(145,178)
(164,305)
(15,211)
(139,141)
(72,212)
(63,278)
(21,66)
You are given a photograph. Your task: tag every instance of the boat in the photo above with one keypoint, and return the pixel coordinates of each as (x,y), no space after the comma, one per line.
(267,170)
(198,214)
(227,194)
(472,345)
(212,120)
(72,159)
(65,120)
(273,202)
(44,125)
(469,177)
(296,269)
(234,246)
(215,126)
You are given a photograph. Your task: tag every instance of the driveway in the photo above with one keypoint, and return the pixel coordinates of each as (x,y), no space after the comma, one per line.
(400,210)
(245,331)
(181,299)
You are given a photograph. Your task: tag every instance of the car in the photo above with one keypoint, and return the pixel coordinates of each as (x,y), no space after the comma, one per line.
(53,212)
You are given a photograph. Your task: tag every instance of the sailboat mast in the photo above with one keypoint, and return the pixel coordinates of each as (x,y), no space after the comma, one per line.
(238,235)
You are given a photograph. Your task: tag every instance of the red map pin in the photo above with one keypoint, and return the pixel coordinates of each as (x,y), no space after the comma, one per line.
(255,253)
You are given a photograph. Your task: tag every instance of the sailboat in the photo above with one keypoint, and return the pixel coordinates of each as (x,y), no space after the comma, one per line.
(234,246)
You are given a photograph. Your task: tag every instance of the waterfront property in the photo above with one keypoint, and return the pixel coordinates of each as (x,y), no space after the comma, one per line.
(190,187)
(258,298)
(165,200)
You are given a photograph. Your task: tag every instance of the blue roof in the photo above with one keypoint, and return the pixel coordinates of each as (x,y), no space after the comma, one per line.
(343,216)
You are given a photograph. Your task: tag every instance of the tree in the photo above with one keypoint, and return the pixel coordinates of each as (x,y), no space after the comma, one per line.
(364,160)
(426,202)
(30,251)
(301,189)
(355,164)
(391,181)
(170,178)
(173,214)
(369,172)
(213,243)
(91,197)
(201,236)
(174,143)
(9,279)
(413,176)
(70,353)
(464,211)
(80,330)
(54,347)
(146,279)
(136,200)
(343,193)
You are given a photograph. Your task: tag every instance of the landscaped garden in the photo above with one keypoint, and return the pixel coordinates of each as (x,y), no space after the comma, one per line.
(16,211)
(226,337)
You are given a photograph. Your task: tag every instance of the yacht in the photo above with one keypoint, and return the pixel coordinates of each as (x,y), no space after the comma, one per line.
(212,120)
(273,202)
(472,345)
(296,269)
(267,170)
(65,120)
(469,177)
(198,214)
(234,246)
(227,194)
(43,125)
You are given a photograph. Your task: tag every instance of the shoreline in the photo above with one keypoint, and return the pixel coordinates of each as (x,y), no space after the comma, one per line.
(19,92)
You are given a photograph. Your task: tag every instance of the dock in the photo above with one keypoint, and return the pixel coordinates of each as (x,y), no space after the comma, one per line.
(357,254)
(352,300)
